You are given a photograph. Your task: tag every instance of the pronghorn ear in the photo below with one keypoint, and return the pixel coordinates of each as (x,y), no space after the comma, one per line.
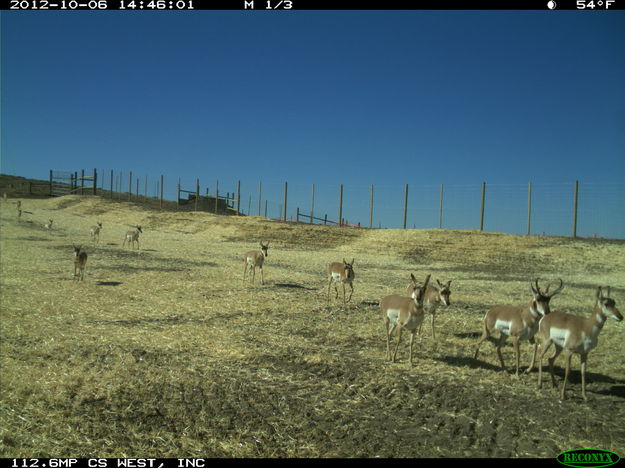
(448,283)
(599,294)
(412,277)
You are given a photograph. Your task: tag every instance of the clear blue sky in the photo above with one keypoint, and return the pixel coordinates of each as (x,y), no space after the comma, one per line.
(325,97)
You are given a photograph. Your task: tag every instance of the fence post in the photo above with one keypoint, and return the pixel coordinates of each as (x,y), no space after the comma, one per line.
(161,206)
(111,184)
(249,206)
(178,196)
(145,190)
(325,219)
(371,207)
(82,181)
(405,204)
(95,182)
(197,192)
(440,209)
(341,205)
(260,195)
(312,205)
(50,182)
(529,207)
(238,197)
(482,209)
(130,186)
(216,196)
(286,184)
(265,208)
(575,193)
(137,189)
(297,214)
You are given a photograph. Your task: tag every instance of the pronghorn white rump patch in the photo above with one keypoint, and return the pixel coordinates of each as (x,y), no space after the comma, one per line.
(559,336)
(503,326)
(412,323)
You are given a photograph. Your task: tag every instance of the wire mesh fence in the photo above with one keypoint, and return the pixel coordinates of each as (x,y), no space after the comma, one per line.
(559,209)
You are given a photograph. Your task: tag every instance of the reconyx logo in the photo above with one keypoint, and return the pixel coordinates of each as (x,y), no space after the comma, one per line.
(588,458)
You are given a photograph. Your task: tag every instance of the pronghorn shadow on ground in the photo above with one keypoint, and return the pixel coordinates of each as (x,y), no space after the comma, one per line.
(575,376)
(470,335)
(614,390)
(109,283)
(466,361)
(294,286)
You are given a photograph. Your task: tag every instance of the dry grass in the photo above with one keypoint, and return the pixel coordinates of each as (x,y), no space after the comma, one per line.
(165,352)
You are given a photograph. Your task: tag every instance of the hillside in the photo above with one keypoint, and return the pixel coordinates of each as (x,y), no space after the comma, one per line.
(164,351)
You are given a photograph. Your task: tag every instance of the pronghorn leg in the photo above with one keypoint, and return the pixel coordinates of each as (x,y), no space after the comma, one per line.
(398,341)
(551,360)
(244,270)
(329,286)
(262,275)
(533,341)
(351,292)
(388,339)
(432,327)
(584,358)
(344,303)
(500,343)
(544,347)
(515,343)
(411,342)
(567,357)
(253,273)
(484,336)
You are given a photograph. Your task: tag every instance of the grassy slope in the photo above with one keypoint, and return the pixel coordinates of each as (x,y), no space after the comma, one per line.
(165,352)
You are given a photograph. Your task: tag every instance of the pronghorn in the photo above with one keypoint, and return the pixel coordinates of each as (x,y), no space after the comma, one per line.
(18,207)
(132,237)
(574,335)
(403,312)
(95,233)
(256,258)
(435,294)
(80,261)
(518,323)
(48,225)
(341,273)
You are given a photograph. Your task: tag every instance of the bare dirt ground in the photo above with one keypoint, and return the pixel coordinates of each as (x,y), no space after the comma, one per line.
(165,352)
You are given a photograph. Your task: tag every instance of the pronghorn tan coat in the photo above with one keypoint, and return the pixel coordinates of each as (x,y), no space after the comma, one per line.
(435,295)
(341,273)
(401,312)
(132,237)
(574,334)
(256,258)
(518,323)
(80,262)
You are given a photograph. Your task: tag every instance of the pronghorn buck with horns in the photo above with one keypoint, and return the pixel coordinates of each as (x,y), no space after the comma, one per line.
(256,258)
(435,295)
(95,232)
(132,237)
(80,261)
(574,335)
(403,312)
(341,273)
(518,323)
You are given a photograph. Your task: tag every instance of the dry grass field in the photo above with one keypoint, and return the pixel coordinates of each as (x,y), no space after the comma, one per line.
(165,352)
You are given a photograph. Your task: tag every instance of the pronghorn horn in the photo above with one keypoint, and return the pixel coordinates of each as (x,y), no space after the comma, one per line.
(559,288)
